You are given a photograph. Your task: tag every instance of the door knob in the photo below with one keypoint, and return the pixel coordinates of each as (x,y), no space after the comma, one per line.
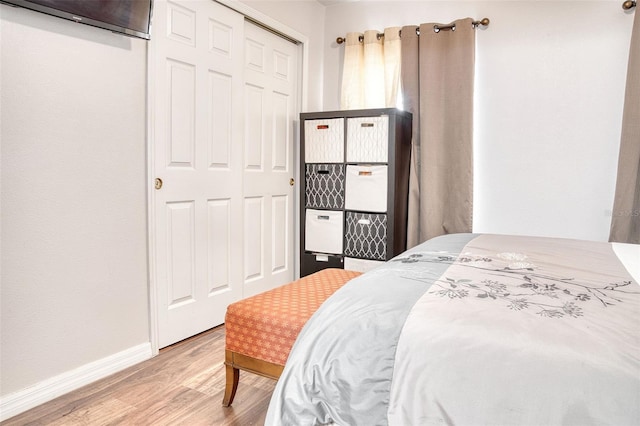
(158,183)
(292,182)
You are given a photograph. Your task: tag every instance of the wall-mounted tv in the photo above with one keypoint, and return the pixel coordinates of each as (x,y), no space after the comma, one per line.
(129,17)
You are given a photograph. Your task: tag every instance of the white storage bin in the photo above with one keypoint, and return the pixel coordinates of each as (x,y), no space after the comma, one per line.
(368,139)
(324,231)
(366,188)
(361,265)
(324,141)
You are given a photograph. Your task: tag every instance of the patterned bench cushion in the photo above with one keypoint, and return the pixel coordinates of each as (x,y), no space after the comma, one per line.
(266,325)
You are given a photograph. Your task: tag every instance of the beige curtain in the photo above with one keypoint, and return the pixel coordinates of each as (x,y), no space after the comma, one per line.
(371,70)
(392,61)
(437,81)
(625,221)
(352,83)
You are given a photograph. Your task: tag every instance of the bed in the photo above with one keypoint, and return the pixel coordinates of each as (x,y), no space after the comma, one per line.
(470,329)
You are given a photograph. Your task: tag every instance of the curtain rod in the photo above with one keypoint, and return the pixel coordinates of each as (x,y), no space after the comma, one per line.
(436,28)
(629,4)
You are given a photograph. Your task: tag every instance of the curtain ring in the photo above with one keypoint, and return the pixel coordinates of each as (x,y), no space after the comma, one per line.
(437,29)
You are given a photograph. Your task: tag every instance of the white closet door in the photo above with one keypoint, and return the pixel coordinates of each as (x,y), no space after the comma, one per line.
(223,218)
(270,109)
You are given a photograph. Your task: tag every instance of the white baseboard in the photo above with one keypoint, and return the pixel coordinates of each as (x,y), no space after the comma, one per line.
(20,401)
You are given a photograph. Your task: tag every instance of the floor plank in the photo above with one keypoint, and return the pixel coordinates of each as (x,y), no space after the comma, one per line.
(183,385)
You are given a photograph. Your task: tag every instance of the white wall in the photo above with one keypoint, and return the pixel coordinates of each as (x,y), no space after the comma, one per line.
(74,272)
(549,92)
(74,256)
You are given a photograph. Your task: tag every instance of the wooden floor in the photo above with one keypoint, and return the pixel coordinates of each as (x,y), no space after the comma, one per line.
(183,385)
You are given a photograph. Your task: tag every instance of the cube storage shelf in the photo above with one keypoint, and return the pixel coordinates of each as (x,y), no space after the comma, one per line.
(355,189)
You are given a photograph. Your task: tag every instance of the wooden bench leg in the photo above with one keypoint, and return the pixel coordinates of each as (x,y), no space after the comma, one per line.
(233,377)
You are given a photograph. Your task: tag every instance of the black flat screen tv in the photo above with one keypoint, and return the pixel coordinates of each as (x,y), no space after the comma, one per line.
(129,17)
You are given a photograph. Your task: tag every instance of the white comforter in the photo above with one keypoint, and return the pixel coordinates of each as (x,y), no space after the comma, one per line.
(474,330)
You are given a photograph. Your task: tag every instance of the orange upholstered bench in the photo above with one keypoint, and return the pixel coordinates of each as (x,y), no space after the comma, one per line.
(260,330)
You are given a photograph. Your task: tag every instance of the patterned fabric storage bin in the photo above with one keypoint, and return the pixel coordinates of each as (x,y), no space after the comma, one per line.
(323,231)
(366,188)
(368,139)
(324,141)
(360,265)
(366,235)
(324,186)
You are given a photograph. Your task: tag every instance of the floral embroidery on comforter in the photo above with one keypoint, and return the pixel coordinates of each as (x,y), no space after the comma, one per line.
(518,284)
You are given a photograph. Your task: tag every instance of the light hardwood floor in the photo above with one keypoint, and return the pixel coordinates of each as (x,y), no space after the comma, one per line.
(183,385)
